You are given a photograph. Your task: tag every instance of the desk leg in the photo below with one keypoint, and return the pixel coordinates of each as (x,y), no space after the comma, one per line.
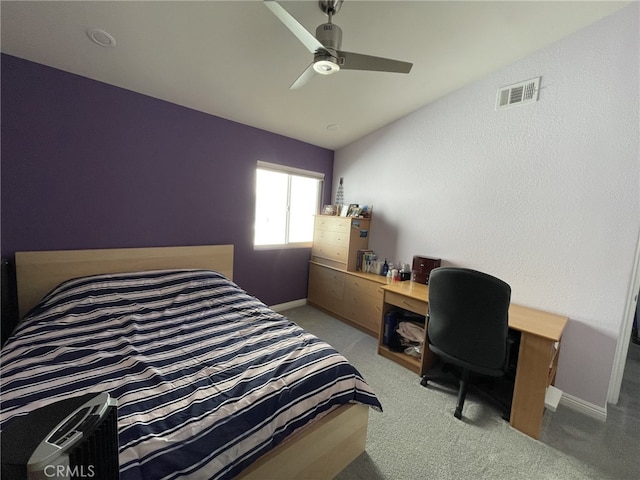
(532,376)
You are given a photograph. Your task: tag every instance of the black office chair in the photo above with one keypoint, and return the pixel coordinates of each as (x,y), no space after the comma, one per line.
(468,327)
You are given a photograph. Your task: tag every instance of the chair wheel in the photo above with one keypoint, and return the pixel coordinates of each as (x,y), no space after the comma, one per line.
(424,381)
(457,414)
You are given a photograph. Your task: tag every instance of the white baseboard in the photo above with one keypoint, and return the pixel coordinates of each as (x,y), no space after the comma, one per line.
(579,405)
(288,305)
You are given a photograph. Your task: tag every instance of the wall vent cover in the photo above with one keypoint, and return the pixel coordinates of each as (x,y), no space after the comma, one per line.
(518,94)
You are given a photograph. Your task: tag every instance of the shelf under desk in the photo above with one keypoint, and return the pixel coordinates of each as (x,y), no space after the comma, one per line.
(540,336)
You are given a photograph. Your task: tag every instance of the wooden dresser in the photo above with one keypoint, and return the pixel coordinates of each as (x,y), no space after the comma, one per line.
(336,240)
(334,284)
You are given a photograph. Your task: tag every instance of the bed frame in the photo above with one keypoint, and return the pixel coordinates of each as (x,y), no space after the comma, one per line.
(37,273)
(318,451)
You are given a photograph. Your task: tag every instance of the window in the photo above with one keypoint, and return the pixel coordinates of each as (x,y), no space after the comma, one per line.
(286,201)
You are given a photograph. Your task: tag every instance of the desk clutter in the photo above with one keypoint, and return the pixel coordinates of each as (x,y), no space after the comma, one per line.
(368,262)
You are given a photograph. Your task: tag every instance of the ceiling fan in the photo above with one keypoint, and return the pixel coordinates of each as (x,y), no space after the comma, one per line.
(325,46)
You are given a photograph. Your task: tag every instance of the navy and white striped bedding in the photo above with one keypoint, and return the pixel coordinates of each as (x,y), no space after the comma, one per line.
(207,377)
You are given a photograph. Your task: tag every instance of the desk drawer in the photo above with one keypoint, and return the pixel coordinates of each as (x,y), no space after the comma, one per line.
(408,303)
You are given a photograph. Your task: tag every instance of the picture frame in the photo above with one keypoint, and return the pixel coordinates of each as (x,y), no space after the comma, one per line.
(354,210)
(329,210)
(366,211)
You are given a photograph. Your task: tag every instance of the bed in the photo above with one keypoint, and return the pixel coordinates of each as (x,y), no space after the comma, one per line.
(217,386)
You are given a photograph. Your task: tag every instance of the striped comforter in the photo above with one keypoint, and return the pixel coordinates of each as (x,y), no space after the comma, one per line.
(207,377)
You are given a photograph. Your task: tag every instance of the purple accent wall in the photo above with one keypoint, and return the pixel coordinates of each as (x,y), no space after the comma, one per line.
(90,165)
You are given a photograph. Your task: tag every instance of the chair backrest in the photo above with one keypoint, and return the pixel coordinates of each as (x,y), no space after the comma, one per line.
(468,317)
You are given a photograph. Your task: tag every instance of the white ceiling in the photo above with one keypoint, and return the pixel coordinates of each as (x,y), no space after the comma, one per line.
(234,59)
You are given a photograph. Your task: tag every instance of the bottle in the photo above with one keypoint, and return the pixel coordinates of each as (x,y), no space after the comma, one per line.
(390,325)
(385,268)
(405,272)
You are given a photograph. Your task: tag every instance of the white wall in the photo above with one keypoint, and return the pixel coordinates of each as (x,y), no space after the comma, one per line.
(544,196)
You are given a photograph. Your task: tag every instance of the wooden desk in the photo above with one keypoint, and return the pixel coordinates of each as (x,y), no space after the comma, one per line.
(540,332)
(412,297)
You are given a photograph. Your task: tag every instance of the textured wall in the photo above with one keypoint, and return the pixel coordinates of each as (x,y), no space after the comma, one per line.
(545,195)
(89,165)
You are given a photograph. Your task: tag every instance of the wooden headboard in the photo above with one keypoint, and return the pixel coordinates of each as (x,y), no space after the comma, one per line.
(37,273)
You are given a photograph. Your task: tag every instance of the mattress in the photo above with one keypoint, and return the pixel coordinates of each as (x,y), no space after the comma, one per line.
(207,377)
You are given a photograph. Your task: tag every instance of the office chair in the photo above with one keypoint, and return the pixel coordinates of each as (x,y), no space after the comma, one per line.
(468,327)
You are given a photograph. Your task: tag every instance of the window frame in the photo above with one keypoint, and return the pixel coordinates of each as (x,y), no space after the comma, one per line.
(290,172)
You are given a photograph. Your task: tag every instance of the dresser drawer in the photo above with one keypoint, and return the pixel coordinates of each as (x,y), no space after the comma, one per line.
(355,286)
(329,299)
(319,291)
(364,312)
(333,224)
(332,252)
(363,302)
(319,273)
(327,237)
(325,282)
(326,288)
(411,304)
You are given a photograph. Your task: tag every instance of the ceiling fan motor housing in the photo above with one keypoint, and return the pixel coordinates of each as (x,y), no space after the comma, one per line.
(329,35)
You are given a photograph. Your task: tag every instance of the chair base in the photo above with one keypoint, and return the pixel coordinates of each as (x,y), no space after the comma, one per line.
(496,390)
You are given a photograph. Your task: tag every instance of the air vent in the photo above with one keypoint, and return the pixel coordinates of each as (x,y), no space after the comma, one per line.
(518,94)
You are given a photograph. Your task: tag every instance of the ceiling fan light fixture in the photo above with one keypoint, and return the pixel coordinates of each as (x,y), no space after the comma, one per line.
(326,67)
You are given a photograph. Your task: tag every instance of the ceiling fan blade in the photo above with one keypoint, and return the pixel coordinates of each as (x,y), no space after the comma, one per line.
(309,41)
(304,77)
(357,61)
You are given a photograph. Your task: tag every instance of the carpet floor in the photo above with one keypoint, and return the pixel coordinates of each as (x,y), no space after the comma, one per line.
(417,436)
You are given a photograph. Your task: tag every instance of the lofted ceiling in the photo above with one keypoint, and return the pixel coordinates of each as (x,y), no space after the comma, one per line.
(235,60)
